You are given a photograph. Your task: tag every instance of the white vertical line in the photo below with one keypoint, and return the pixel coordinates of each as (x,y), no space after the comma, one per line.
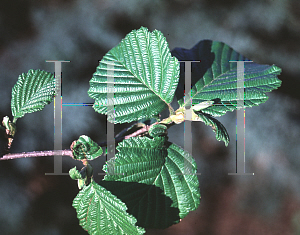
(57,118)
(240,115)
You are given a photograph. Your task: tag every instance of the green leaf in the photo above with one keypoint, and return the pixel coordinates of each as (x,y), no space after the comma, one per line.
(145,77)
(158,130)
(100,212)
(83,177)
(32,92)
(10,126)
(75,174)
(160,163)
(220,81)
(85,148)
(218,128)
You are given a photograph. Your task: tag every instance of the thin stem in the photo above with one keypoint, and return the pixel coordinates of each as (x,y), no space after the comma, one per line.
(15,120)
(140,131)
(171,110)
(66,152)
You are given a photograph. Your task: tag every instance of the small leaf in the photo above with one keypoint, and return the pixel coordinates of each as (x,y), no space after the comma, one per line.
(81,177)
(10,131)
(145,77)
(160,163)
(218,128)
(85,148)
(215,77)
(158,130)
(101,213)
(74,174)
(32,92)
(85,174)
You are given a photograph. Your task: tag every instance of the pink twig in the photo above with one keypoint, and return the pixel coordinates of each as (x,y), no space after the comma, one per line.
(140,131)
(66,152)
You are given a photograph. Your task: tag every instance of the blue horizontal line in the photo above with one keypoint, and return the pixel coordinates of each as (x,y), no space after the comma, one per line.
(77,104)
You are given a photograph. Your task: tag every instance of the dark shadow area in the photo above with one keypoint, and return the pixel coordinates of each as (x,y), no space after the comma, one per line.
(200,52)
(146,203)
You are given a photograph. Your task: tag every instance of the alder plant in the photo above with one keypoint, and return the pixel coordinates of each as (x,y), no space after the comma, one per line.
(151,182)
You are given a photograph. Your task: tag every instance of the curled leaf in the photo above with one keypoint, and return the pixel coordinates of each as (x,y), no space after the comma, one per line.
(218,128)
(85,149)
(157,130)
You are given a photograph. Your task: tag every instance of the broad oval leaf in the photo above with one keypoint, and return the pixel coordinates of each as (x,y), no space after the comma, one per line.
(32,92)
(144,74)
(215,77)
(160,163)
(85,148)
(102,213)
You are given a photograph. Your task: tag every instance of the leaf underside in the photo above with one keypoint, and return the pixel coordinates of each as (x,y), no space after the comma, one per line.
(151,162)
(217,77)
(32,92)
(218,128)
(100,212)
(144,73)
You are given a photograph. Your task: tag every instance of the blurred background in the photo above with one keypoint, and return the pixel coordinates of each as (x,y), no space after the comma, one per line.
(265,31)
